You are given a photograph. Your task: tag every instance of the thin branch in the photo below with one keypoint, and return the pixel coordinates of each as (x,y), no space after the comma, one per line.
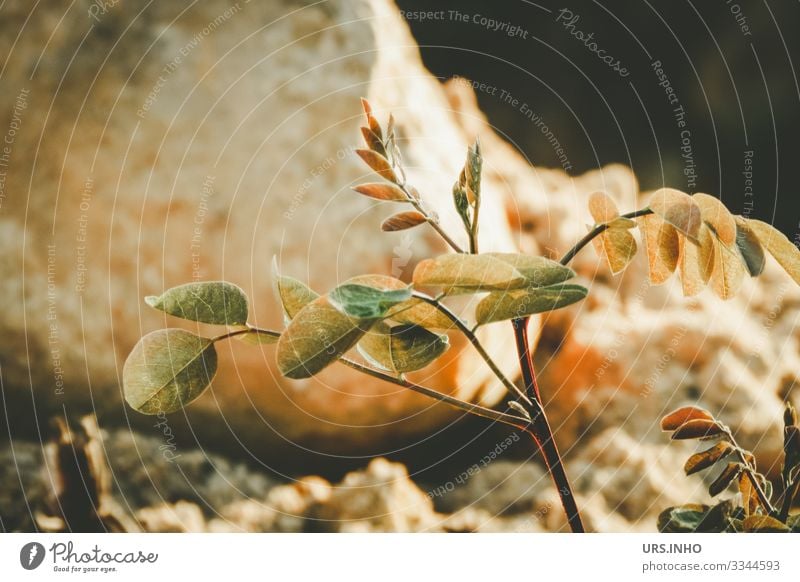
(792,491)
(473,339)
(596,231)
(515,421)
(477,410)
(748,470)
(246,330)
(541,431)
(433,221)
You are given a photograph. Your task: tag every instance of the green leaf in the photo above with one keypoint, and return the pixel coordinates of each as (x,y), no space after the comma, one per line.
(780,247)
(504,305)
(764,524)
(472,272)
(215,302)
(681,519)
(317,336)
(365,302)
(412,311)
(720,518)
(167,370)
(537,271)
(679,209)
(418,312)
(707,458)
(402,348)
(293,294)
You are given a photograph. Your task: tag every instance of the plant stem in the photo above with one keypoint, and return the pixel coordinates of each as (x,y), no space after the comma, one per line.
(434,222)
(477,410)
(542,433)
(598,230)
(468,333)
(748,470)
(792,490)
(515,421)
(248,329)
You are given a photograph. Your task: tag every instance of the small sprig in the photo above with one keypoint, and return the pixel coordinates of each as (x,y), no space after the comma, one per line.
(753,509)
(383,156)
(467,194)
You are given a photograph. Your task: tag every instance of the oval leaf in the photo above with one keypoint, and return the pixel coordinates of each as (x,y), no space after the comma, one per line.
(538,271)
(378,163)
(700,461)
(215,302)
(697,262)
(475,272)
(504,305)
(780,247)
(678,209)
(167,370)
(293,294)
(684,414)
(374,126)
(751,249)
(418,312)
(403,221)
(617,246)
(365,302)
(729,473)
(602,207)
(718,217)
(382,191)
(662,245)
(682,519)
(317,336)
(411,311)
(697,429)
(764,524)
(729,270)
(372,141)
(402,348)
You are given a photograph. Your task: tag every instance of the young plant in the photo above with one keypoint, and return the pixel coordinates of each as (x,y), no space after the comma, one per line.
(398,327)
(757,508)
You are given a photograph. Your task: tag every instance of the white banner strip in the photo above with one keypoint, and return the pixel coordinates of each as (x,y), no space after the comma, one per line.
(400,557)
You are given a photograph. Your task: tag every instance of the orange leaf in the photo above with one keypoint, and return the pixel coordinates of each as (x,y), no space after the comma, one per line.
(662,244)
(678,209)
(382,191)
(682,415)
(602,207)
(403,220)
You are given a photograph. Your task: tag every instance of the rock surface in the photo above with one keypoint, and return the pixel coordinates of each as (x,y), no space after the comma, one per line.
(197,144)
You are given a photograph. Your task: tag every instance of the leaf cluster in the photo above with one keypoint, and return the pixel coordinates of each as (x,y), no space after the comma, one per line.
(693,235)
(755,507)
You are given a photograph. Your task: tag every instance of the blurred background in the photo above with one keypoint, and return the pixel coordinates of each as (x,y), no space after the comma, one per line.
(148,146)
(731,65)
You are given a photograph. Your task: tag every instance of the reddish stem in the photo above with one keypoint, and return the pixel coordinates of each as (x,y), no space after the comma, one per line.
(540,430)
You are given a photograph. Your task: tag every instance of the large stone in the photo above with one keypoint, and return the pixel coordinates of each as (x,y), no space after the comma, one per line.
(159,145)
